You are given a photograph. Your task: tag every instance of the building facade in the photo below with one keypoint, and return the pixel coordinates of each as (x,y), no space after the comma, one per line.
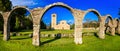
(62,25)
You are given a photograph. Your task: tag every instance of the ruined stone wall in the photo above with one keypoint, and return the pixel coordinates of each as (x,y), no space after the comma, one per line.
(37,14)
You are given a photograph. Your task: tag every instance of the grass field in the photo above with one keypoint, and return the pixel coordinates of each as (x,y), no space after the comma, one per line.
(43,31)
(90,43)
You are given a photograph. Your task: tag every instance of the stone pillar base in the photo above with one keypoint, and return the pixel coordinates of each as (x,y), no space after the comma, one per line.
(78,40)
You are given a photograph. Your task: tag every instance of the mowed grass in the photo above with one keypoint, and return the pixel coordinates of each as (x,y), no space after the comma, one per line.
(44,31)
(90,43)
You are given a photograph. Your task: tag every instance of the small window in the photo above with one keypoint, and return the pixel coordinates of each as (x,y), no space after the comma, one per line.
(53,15)
(62,22)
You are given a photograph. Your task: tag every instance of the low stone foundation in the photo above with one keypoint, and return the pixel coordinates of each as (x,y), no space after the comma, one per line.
(54,35)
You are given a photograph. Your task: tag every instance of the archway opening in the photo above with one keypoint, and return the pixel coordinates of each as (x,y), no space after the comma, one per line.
(117,28)
(107,26)
(91,24)
(60,23)
(20,24)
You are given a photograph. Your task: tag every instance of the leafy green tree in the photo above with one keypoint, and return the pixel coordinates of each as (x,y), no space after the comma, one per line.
(72,26)
(1,23)
(43,25)
(5,5)
(17,23)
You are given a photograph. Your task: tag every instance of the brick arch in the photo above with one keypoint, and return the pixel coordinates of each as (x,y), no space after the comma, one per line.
(60,4)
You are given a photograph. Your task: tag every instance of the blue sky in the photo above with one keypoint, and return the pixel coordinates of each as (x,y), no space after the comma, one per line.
(103,6)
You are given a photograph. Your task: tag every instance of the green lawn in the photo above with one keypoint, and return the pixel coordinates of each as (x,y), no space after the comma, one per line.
(43,31)
(90,43)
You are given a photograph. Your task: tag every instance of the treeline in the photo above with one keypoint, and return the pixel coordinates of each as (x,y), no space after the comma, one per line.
(93,24)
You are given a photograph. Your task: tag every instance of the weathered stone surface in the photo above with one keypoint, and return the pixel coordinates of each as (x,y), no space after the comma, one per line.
(78,16)
(37,14)
(112,24)
(6,26)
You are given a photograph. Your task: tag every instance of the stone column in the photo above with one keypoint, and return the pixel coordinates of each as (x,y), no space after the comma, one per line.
(36,35)
(118,29)
(36,15)
(101,32)
(112,24)
(78,16)
(112,30)
(6,36)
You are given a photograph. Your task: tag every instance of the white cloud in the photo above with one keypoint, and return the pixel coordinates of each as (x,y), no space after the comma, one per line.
(23,2)
(70,21)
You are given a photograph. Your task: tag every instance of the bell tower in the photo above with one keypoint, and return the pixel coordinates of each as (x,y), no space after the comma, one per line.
(53,20)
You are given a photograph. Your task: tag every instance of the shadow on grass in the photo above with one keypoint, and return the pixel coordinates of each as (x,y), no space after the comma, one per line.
(95,34)
(20,38)
(1,36)
(47,29)
(117,34)
(57,36)
(108,34)
(90,34)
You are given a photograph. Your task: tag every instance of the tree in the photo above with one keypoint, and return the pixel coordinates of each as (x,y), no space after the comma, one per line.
(72,26)
(88,20)
(5,5)
(43,25)
(1,23)
(17,24)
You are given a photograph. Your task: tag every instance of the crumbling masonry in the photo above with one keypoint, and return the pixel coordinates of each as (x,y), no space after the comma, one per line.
(79,15)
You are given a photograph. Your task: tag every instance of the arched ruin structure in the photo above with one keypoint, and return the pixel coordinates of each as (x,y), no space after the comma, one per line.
(37,14)
(7,18)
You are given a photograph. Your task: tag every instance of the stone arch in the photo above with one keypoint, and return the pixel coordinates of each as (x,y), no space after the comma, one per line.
(9,15)
(118,26)
(56,4)
(109,17)
(117,20)
(110,20)
(95,12)
(19,7)
(98,16)
(36,38)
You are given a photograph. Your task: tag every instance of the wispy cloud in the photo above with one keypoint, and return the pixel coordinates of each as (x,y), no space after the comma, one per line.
(23,2)
(70,21)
